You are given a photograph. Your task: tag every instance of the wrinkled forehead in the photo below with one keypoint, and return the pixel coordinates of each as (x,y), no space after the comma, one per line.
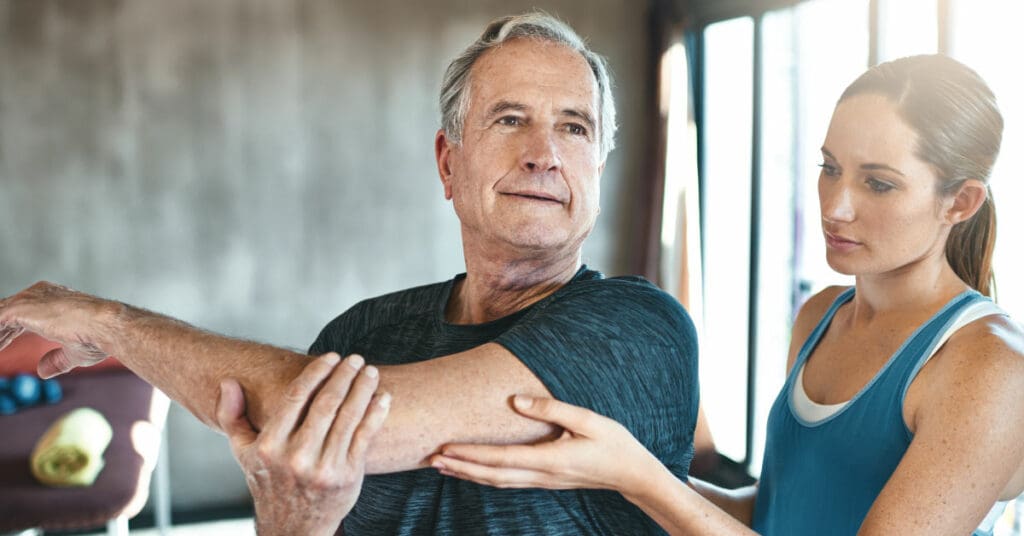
(527,68)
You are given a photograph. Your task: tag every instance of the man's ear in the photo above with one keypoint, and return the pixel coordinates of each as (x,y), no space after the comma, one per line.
(967,201)
(442,153)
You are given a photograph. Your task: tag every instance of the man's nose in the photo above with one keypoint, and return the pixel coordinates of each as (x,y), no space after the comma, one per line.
(837,204)
(541,153)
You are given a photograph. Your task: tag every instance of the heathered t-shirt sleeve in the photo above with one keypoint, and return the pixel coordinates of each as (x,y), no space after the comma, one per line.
(624,349)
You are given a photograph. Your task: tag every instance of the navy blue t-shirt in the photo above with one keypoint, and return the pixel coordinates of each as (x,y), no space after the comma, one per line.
(618,346)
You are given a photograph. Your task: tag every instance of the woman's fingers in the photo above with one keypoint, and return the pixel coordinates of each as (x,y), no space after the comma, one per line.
(524,456)
(499,477)
(372,422)
(580,421)
(324,408)
(280,427)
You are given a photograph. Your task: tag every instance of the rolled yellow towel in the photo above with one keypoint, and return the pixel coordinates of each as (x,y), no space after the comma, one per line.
(70,453)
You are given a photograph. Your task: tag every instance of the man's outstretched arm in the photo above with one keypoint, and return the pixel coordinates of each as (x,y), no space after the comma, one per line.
(463,397)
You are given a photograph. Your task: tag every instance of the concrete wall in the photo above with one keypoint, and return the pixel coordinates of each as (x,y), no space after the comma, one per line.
(254,166)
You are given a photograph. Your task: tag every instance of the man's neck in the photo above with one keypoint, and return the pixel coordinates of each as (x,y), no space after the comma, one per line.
(498,287)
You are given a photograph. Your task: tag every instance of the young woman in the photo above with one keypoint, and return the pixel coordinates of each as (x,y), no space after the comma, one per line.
(903,410)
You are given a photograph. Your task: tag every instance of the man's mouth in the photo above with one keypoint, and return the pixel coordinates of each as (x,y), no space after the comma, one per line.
(536,196)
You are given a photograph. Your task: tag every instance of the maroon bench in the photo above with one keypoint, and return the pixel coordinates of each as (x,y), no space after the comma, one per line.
(136,412)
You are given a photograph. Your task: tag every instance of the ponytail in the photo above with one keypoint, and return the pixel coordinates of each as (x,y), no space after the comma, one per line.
(970,245)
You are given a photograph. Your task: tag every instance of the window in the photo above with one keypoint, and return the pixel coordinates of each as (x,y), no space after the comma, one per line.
(800,80)
(907,28)
(789,66)
(728,110)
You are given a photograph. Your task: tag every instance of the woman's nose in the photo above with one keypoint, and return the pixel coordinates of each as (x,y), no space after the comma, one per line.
(837,202)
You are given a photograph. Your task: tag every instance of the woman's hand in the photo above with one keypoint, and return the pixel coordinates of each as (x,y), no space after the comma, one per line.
(599,453)
(593,452)
(305,468)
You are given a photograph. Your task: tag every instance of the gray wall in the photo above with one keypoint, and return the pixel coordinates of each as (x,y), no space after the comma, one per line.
(254,166)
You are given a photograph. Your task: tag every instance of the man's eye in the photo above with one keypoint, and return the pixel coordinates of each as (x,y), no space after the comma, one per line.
(510,121)
(577,130)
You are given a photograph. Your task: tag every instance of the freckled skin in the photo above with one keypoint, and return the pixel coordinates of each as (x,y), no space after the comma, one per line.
(897,228)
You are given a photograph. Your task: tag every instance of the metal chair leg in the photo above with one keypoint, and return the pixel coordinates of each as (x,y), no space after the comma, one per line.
(162,489)
(117,526)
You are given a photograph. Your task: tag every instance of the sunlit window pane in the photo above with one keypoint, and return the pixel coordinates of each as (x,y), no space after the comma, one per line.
(831,50)
(906,28)
(680,233)
(728,111)
(779,110)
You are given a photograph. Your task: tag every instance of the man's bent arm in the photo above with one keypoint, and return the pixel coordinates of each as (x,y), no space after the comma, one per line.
(462,397)
(188,364)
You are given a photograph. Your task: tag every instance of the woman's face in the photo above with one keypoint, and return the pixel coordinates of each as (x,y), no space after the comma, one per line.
(880,211)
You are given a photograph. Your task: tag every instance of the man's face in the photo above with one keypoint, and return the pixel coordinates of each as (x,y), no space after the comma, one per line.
(526,176)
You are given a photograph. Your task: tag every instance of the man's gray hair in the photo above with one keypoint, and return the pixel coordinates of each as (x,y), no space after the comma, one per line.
(541,26)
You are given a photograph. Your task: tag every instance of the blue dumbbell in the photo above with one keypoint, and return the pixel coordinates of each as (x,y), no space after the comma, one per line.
(5,384)
(26,389)
(52,393)
(7,404)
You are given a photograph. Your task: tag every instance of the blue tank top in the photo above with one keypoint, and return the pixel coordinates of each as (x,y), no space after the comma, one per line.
(822,477)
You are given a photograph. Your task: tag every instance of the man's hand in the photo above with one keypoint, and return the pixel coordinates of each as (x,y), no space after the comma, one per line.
(305,468)
(75,320)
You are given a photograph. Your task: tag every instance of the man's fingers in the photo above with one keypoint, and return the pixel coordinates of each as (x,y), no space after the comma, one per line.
(499,477)
(8,334)
(376,414)
(281,425)
(349,414)
(231,415)
(328,404)
(55,362)
(574,418)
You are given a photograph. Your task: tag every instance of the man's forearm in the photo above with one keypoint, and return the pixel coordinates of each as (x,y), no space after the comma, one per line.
(188,363)
(457,398)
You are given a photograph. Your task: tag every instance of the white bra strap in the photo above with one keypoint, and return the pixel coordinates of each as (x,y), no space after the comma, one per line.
(972,312)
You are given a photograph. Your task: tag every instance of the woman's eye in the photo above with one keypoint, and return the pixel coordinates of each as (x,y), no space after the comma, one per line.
(879,186)
(510,121)
(829,170)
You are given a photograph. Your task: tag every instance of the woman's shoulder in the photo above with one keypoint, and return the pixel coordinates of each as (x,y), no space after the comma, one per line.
(980,366)
(808,317)
(974,383)
(993,343)
(816,306)
(814,309)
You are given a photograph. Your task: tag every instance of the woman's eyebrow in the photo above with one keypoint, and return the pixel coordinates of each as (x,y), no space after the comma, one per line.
(874,167)
(871,166)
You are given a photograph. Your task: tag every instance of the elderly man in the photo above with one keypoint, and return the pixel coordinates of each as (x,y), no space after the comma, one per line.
(528,120)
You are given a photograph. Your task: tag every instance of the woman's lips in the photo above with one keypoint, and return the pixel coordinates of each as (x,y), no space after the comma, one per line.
(840,243)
